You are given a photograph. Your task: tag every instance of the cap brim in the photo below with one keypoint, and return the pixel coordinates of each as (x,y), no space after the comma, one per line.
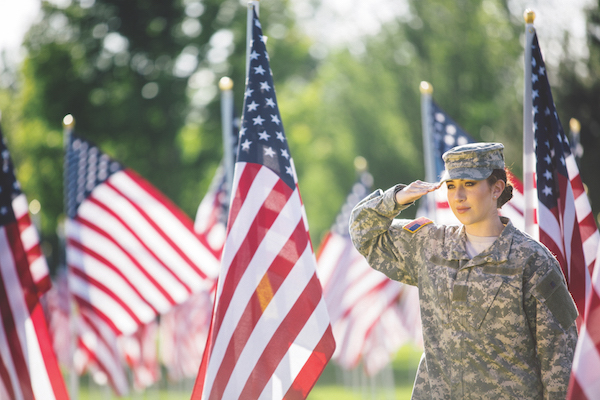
(472,174)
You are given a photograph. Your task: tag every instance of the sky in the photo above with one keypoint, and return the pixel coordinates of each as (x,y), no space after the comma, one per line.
(339,22)
(16,16)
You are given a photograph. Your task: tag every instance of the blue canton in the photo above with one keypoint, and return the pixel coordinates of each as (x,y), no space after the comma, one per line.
(262,139)
(551,144)
(86,167)
(360,189)
(9,187)
(446,135)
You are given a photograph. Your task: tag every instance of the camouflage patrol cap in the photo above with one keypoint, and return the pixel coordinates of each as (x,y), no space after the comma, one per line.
(474,161)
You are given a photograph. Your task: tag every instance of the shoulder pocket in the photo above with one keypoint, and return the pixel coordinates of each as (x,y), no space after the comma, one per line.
(553,292)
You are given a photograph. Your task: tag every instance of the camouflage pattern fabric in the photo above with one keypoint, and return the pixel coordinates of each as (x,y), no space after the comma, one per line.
(473,161)
(498,326)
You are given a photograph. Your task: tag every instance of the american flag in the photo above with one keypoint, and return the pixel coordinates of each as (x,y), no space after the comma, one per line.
(585,375)
(371,315)
(566,225)
(98,352)
(140,351)
(183,334)
(28,366)
(270,333)
(131,253)
(566,222)
(446,135)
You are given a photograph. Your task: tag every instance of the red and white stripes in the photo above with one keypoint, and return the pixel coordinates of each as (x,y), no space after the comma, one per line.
(270,332)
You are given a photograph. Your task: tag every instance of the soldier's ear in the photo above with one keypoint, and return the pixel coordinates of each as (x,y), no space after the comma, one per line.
(498,188)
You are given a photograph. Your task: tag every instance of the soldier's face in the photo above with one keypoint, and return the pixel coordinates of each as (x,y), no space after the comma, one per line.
(471,201)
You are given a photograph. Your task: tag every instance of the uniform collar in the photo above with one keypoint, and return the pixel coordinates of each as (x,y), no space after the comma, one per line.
(456,245)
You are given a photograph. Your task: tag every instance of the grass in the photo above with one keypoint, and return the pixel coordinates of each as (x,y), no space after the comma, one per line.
(334,384)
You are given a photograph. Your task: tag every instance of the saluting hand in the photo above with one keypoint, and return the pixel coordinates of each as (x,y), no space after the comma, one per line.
(415,191)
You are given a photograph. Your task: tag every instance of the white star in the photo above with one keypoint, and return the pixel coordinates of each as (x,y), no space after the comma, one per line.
(280,136)
(269,152)
(258,120)
(270,102)
(275,118)
(533,63)
(252,106)
(259,70)
(265,86)
(248,92)
(547,191)
(242,132)
(3,210)
(535,126)
(542,70)
(246,145)
(535,94)
(288,170)
(534,78)
(548,159)
(285,154)
(263,39)
(257,23)
(534,110)
(263,135)
(547,111)
(562,160)
(254,55)
(548,175)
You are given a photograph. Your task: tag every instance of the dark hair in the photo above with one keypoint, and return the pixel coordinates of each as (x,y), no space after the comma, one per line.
(500,175)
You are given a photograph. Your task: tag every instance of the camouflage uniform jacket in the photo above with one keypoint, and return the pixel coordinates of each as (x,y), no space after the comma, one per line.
(498,326)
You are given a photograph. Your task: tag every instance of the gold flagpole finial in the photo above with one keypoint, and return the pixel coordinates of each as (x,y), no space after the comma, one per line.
(225,83)
(425,87)
(574,125)
(68,121)
(529,16)
(360,164)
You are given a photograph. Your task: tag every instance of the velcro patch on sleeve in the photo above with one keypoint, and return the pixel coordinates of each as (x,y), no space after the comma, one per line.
(417,224)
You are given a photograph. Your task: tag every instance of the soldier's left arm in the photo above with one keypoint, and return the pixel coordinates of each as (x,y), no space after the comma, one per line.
(552,313)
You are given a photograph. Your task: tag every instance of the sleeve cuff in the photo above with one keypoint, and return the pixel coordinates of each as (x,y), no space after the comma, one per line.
(398,188)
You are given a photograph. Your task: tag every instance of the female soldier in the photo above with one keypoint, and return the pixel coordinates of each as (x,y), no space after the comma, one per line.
(498,320)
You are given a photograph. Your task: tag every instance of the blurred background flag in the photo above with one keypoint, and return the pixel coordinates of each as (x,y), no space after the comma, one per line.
(28,366)
(440,134)
(270,333)
(131,253)
(371,315)
(98,352)
(184,329)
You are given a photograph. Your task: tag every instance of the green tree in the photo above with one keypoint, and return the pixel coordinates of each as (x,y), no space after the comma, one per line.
(368,102)
(140,78)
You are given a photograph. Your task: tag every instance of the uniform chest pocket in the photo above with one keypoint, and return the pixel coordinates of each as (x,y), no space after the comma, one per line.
(473,300)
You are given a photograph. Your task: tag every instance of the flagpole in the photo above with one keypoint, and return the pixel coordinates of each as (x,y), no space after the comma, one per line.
(529,191)
(226,86)
(427,128)
(68,127)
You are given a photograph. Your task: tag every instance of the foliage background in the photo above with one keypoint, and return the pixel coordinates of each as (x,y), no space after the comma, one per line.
(141,77)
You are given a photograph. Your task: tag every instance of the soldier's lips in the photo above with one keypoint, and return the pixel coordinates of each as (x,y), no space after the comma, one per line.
(462,210)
